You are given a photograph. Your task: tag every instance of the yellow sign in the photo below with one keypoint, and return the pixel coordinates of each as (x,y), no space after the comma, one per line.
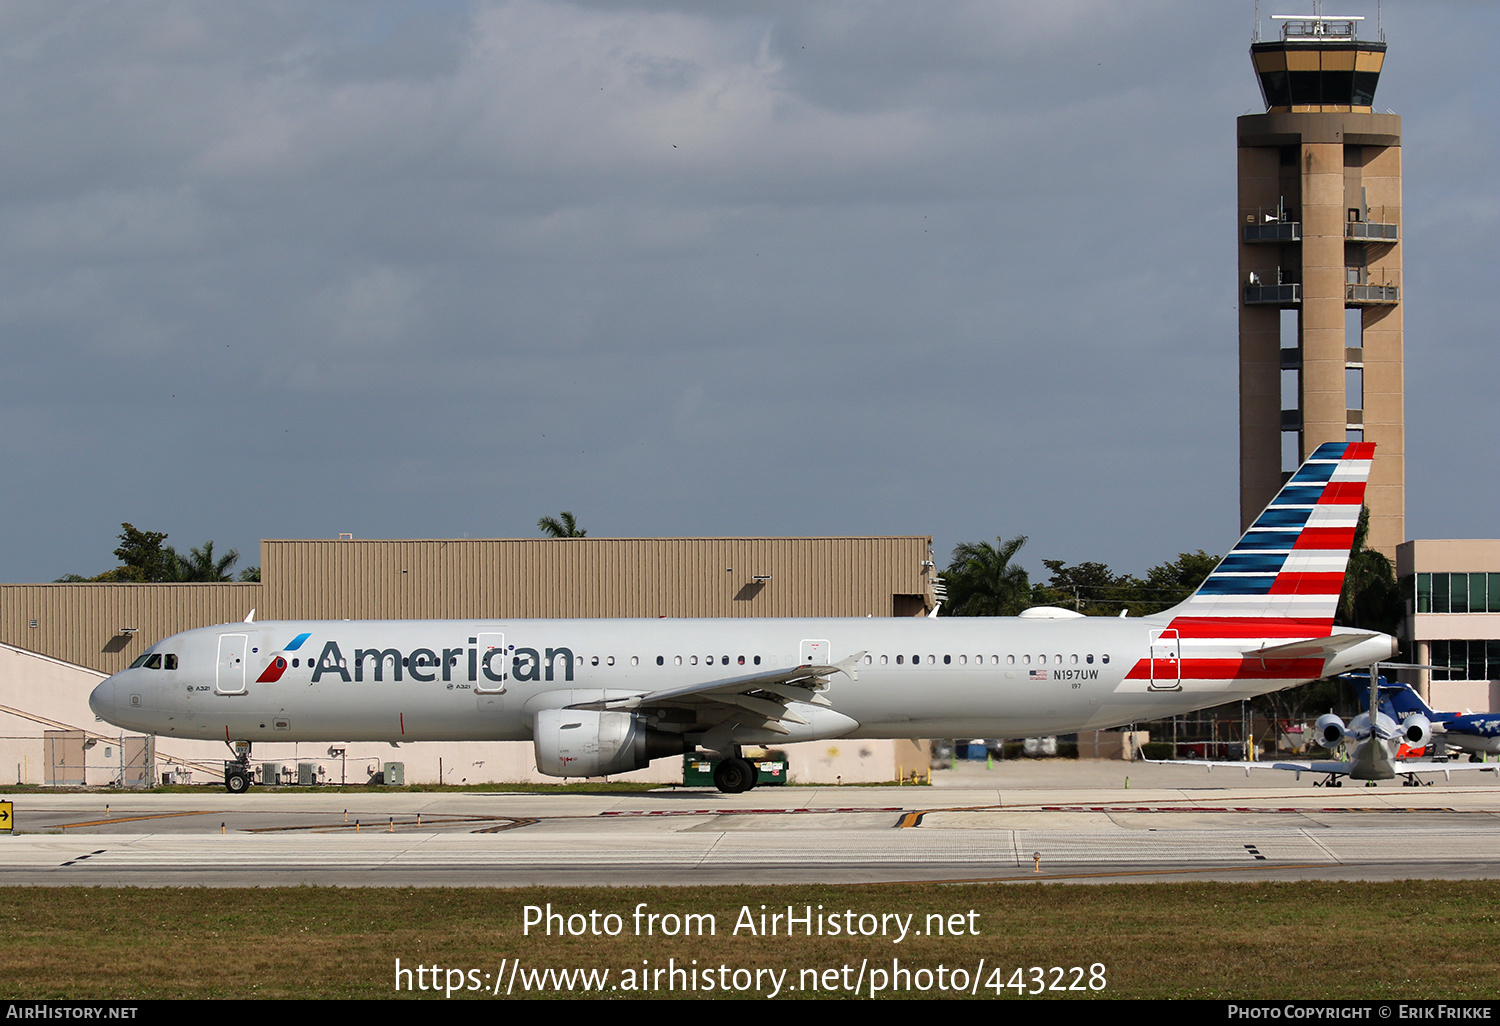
(7,818)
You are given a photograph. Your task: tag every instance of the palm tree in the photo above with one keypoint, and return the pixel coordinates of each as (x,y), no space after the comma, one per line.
(201,566)
(561,526)
(982,580)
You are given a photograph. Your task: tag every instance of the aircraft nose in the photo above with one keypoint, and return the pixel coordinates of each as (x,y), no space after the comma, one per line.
(102,699)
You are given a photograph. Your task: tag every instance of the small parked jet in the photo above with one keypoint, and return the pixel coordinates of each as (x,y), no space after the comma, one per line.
(600,697)
(1376,742)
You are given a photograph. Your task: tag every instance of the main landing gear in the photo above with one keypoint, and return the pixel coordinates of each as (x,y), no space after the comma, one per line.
(735,775)
(237,777)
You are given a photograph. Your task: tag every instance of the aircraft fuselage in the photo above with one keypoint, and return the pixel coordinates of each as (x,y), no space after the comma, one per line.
(486,680)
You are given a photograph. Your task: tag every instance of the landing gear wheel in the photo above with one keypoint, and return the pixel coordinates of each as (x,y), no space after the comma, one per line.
(734,776)
(237,781)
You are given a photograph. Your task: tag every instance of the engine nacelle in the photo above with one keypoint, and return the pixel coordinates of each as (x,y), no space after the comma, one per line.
(1416,731)
(1329,730)
(586,743)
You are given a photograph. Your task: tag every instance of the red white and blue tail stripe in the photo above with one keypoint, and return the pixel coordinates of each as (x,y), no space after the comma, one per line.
(1291,561)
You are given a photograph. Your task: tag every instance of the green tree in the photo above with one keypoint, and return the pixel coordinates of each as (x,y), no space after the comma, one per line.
(982,580)
(1370,598)
(561,526)
(1096,590)
(1169,583)
(145,558)
(1090,588)
(200,566)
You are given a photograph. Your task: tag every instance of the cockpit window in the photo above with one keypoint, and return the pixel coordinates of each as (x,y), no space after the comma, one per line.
(153,662)
(170,662)
(140,661)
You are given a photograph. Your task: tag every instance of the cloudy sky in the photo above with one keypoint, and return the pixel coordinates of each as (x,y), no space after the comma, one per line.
(417,269)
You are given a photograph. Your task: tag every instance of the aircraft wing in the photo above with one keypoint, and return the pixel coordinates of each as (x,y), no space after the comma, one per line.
(766,694)
(1445,768)
(1324,647)
(1335,766)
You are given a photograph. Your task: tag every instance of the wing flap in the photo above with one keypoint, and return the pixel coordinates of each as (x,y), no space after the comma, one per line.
(767,694)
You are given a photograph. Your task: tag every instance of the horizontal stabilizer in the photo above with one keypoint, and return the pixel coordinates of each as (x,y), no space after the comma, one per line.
(1323,647)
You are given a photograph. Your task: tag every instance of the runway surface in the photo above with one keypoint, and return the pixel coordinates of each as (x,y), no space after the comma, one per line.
(1094,831)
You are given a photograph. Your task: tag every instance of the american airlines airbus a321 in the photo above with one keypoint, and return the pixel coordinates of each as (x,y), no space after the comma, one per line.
(597,697)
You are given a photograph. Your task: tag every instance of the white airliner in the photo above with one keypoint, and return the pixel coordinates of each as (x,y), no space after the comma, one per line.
(607,696)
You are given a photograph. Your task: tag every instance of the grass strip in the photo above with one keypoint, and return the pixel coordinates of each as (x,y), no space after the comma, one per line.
(1303,940)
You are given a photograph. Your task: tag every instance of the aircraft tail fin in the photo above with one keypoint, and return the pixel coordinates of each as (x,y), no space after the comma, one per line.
(1403,698)
(1290,562)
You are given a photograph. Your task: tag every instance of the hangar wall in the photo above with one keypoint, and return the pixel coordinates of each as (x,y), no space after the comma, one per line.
(105,626)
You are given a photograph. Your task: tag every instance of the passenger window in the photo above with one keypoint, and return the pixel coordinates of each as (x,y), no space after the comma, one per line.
(1104,659)
(757,660)
(661,660)
(742,660)
(947,659)
(1089,658)
(610,661)
(899,659)
(693,660)
(677,660)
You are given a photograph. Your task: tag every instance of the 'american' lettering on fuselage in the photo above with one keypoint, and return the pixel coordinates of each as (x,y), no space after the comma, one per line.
(425,664)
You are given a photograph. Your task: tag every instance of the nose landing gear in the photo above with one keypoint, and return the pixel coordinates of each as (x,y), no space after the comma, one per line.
(237,770)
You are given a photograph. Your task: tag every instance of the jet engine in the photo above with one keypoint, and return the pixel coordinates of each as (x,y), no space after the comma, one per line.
(587,743)
(1329,730)
(1416,731)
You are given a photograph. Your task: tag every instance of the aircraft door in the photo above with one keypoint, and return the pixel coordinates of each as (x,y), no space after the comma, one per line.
(229,675)
(814,652)
(497,664)
(1166,660)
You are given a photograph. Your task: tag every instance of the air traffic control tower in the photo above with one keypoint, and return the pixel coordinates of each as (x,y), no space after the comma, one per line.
(1320,267)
